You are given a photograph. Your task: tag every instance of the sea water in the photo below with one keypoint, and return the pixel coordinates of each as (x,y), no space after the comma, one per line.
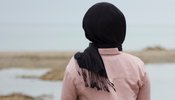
(25,81)
(69,37)
(161,77)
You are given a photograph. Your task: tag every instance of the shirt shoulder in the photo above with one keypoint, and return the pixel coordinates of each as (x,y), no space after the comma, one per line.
(136,61)
(133,58)
(71,68)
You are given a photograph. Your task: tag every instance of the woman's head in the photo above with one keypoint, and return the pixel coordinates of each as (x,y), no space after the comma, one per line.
(105,25)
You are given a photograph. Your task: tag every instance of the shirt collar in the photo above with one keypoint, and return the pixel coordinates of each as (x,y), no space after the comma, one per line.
(108,51)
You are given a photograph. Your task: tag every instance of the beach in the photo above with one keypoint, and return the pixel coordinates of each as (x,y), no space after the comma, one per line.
(56,63)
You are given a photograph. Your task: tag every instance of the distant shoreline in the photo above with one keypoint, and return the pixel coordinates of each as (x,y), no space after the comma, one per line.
(57,61)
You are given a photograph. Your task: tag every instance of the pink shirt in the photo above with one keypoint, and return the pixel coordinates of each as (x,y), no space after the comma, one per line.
(127,72)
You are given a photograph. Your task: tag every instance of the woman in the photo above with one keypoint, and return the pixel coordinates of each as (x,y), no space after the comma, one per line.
(103,71)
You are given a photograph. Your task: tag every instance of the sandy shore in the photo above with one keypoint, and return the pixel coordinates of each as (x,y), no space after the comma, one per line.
(57,61)
(20,96)
(16,96)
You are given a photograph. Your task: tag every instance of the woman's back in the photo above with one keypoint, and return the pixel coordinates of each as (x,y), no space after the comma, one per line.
(102,71)
(125,71)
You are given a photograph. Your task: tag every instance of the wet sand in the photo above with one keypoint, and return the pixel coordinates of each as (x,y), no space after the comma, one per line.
(16,96)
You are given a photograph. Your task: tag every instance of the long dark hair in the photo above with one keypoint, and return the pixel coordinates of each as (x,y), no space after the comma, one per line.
(105,26)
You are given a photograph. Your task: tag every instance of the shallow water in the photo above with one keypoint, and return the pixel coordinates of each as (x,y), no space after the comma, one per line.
(11,82)
(162,78)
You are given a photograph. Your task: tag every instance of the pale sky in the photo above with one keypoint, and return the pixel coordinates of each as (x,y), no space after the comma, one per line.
(51,24)
(72,11)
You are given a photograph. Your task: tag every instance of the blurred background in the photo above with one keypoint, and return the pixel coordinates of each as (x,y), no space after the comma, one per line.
(38,38)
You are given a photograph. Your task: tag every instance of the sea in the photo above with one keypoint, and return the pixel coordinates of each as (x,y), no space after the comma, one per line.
(71,37)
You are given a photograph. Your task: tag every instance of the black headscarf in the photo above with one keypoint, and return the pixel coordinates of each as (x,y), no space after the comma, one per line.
(105,26)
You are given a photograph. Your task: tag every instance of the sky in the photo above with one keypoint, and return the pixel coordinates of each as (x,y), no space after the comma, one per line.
(72,11)
(29,25)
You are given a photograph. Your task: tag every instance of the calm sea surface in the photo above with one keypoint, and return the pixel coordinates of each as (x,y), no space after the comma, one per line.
(161,77)
(71,37)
